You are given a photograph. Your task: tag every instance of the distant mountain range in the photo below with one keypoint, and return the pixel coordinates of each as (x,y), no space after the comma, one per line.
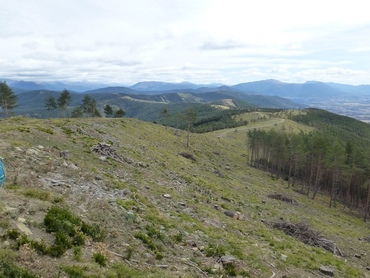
(266,93)
(307,90)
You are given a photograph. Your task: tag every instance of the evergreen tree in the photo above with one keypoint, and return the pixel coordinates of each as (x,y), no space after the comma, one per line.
(189,118)
(86,105)
(50,103)
(8,100)
(64,100)
(77,112)
(119,113)
(89,107)
(108,111)
(94,110)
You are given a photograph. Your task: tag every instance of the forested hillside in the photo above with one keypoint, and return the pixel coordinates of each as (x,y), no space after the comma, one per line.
(333,159)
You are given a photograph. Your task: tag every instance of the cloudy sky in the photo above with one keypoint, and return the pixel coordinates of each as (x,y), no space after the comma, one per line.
(200,41)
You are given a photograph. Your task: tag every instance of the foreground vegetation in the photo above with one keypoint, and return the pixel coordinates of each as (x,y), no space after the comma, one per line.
(152,207)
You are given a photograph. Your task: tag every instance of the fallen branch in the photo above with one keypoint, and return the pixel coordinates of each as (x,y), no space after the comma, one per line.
(56,182)
(282,198)
(195,266)
(107,150)
(308,236)
(124,257)
(156,265)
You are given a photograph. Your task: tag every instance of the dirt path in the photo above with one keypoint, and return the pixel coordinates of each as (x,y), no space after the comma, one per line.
(266,123)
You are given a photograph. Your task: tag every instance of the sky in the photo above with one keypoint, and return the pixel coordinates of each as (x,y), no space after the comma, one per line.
(199,41)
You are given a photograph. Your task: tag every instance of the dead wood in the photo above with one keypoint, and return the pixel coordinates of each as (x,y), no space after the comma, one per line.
(283,198)
(107,150)
(308,236)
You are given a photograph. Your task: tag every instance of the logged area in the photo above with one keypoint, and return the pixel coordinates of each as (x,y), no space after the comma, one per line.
(120,197)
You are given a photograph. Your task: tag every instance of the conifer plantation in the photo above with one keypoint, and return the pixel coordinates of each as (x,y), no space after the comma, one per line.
(321,160)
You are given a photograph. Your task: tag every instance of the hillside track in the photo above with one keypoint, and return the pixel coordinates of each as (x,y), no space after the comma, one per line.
(264,124)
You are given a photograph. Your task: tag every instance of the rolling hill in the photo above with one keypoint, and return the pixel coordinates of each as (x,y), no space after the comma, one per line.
(129,199)
(144,106)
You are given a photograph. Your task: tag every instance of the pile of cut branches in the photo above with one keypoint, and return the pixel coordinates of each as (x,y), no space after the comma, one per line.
(107,150)
(308,236)
(367,239)
(281,197)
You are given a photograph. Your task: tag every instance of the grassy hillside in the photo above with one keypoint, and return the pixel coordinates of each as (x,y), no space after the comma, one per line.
(150,207)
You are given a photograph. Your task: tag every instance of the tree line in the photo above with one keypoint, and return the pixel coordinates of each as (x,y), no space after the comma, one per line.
(88,107)
(317,162)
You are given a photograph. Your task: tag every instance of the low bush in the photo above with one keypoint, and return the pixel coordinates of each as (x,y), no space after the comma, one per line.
(100,259)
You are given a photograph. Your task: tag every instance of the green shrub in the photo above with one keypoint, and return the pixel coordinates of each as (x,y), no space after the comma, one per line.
(129,253)
(63,240)
(61,220)
(100,259)
(150,243)
(37,193)
(57,250)
(178,237)
(12,234)
(77,253)
(46,130)
(154,233)
(230,269)
(79,239)
(213,250)
(94,231)
(8,269)
(39,246)
(73,271)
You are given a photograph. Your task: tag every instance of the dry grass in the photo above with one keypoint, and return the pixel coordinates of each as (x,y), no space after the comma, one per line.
(128,197)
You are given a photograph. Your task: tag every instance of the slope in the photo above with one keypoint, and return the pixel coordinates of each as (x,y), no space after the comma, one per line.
(163,206)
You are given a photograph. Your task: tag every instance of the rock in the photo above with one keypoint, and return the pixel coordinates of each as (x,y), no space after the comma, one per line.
(23,228)
(216,267)
(32,152)
(229,213)
(327,271)
(64,154)
(167,196)
(191,243)
(73,166)
(283,257)
(103,158)
(142,164)
(22,220)
(239,216)
(226,260)
(236,215)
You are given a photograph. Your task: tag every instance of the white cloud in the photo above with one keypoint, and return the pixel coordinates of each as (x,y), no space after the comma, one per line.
(195,40)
